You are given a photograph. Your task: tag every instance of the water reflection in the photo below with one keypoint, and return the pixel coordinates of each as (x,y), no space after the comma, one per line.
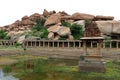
(6,77)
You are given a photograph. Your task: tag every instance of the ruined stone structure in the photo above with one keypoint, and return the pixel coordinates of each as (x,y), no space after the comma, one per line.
(92,61)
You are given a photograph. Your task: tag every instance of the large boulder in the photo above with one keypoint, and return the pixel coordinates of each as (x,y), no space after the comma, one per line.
(51,36)
(100,17)
(82,16)
(70,37)
(56,37)
(54,28)
(17,23)
(25,17)
(21,39)
(109,27)
(35,16)
(45,13)
(27,22)
(53,19)
(64,31)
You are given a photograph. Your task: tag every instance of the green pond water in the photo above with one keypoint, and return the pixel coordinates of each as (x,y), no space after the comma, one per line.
(62,69)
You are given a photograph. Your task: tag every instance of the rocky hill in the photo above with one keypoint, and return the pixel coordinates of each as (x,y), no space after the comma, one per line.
(106,24)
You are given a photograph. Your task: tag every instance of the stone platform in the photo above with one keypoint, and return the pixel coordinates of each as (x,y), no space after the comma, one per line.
(92,66)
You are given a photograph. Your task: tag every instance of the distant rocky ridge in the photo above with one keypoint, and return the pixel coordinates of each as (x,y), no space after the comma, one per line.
(106,24)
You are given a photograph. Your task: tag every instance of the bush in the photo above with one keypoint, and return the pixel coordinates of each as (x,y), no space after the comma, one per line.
(76,30)
(40,66)
(3,34)
(39,25)
(67,24)
(44,33)
(7,69)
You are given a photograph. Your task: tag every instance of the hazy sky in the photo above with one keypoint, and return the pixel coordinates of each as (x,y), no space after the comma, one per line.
(12,10)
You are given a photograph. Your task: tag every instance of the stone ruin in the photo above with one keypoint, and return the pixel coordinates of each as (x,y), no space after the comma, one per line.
(92,61)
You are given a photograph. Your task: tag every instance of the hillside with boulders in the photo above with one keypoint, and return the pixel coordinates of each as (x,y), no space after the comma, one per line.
(54,25)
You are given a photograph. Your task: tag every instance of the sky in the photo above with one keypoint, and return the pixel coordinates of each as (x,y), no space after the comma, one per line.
(12,10)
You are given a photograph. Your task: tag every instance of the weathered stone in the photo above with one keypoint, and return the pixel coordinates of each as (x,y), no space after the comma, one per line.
(27,22)
(56,37)
(63,13)
(17,23)
(109,27)
(35,16)
(82,23)
(82,16)
(64,31)
(21,39)
(53,19)
(66,17)
(51,36)
(70,37)
(100,17)
(88,66)
(25,17)
(54,28)
(45,13)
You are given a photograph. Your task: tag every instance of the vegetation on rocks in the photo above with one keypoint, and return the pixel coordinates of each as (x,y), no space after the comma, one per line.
(76,29)
(3,34)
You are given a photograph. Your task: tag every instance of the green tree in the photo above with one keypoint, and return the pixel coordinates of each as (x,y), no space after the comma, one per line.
(39,30)
(39,24)
(3,34)
(76,30)
(65,23)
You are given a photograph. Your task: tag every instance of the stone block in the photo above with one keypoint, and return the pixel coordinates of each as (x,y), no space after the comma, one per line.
(92,66)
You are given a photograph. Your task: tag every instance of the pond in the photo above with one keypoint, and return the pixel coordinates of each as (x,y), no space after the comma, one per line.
(6,77)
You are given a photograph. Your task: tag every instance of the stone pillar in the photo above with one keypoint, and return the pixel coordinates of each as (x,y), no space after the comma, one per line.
(58,44)
(68,44)
(117,44)
(85,48)
(43,44)
(62,44)
(53,44)
(99,47)
(110,44)
(74,44)
(91,44)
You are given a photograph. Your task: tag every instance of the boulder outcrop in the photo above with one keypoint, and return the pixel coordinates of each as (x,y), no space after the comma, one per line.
(53,19)
(82,16)
(100,17)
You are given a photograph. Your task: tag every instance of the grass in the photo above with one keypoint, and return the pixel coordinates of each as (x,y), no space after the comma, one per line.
(42,68)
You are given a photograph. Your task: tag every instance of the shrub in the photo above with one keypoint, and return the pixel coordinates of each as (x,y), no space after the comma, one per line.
(67,24)
(40,66)
(76,30)
(3,34)
(39,25)
(44,33)
(7,69)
